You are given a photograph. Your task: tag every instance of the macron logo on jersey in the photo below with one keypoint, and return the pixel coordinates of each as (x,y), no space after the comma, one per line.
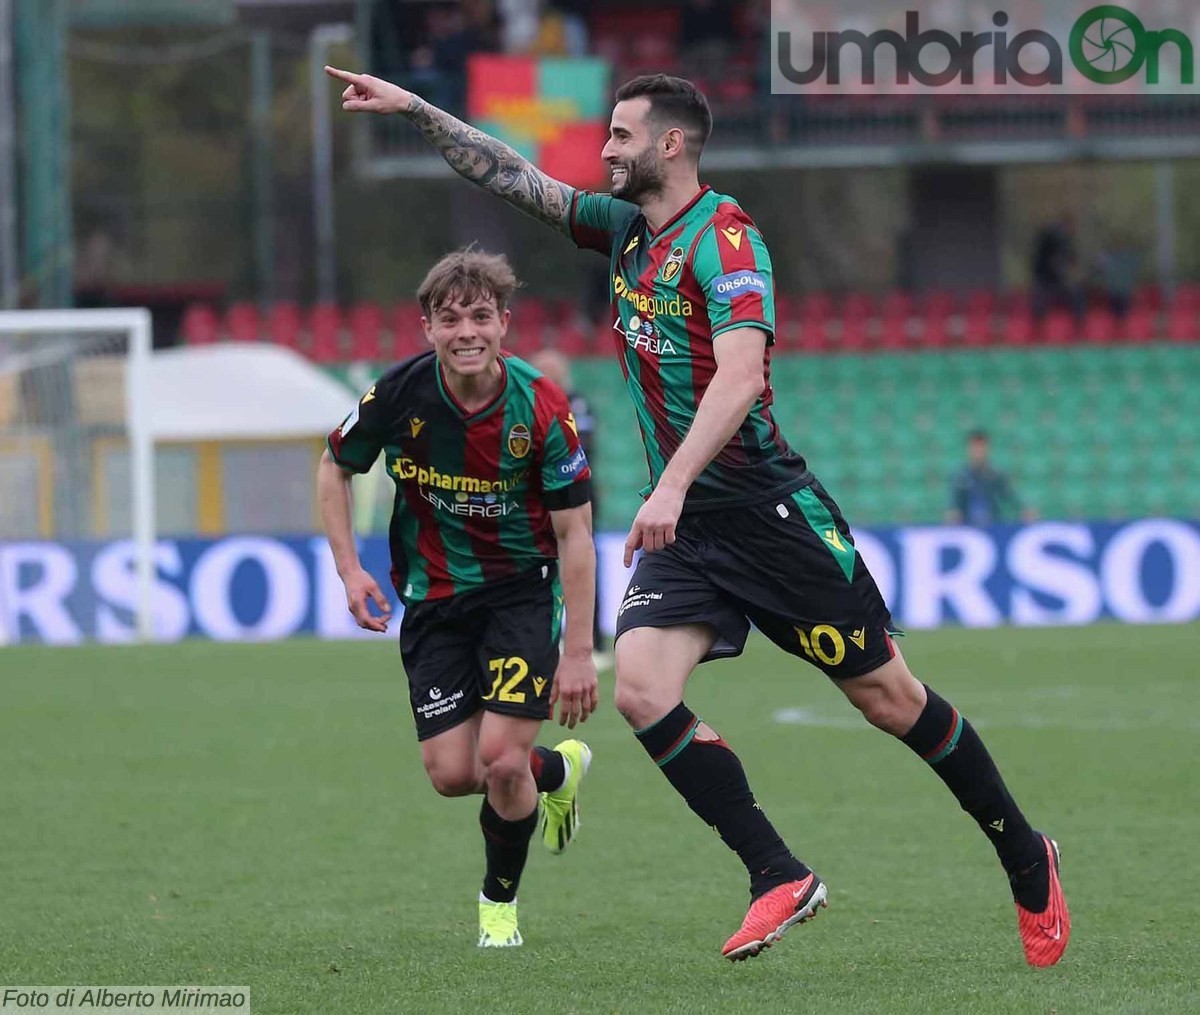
(738,283)
(574,465)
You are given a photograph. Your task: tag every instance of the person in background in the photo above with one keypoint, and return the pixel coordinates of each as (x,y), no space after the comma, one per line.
(981,494)
(1056,269)
(557,368)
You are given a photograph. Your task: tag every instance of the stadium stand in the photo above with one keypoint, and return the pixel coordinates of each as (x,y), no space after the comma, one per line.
(1065,422)
(815,322)
(1070,403)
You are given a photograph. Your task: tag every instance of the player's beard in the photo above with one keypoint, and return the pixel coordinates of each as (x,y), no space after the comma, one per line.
(643,178)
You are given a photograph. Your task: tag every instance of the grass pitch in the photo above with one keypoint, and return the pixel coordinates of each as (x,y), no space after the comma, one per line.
(257,815)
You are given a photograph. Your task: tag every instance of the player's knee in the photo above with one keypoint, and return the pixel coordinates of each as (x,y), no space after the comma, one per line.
(455,779)
(893,706)
(636,701)
(505,767)
(636,694)
(879,712)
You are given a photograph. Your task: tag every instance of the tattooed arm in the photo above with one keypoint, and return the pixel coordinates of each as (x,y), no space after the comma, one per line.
(474,155)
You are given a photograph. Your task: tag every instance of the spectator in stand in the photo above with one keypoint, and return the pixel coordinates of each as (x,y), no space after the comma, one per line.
(1055,269)
(707,36)
(1116,275)
(455,32)
(555,365)
(519,19)
(572,17)
(981,494)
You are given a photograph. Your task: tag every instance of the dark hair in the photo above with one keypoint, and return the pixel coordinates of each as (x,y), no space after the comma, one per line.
(978,434)
(674,102)
(466,275)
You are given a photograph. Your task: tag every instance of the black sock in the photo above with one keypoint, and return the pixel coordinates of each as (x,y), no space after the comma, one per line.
(950,745)
(506,845)
(709,776)
(549,768)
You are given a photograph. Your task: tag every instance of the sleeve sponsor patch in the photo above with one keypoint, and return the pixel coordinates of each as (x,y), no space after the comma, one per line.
(574,465)
(738,283)
(349,421)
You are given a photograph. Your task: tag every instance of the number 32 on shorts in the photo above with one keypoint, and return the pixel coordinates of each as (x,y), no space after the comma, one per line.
(509,674)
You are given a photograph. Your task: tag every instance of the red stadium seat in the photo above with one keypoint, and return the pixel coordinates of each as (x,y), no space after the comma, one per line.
(366,327)
(243,323)
(1140,325)
(854,335)
(787,320)
(893,333)
(1187,297)
(199,325)
(1147,297)
(408,337)
(1099,326)
(977,329)
(811,335)
(896,304)
(531,320)
(283,324)
(857,306)
(1182,325)
(938,301)
(981,301)
(603,337)
(935,332)
(1059,327)
(571,339)
(1018,329)
(325,333)
(1017,301)
(816,306)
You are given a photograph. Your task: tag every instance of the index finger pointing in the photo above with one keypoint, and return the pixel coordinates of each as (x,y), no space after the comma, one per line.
(342,75)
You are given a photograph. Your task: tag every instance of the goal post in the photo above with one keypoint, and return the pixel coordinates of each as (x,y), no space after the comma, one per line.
(46,404)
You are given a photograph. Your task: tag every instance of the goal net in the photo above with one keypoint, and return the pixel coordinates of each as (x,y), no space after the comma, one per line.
(76,450)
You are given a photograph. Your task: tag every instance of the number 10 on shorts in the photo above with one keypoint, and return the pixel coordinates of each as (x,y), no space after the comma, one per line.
(819,641)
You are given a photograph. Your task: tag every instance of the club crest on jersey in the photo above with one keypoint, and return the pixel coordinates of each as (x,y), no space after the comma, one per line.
(670,269)
(519,441)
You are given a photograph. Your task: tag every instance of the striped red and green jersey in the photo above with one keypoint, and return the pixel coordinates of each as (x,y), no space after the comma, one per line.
(705,272)
(473,489)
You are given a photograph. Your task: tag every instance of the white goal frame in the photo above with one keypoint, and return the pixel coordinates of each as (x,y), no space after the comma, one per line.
(136,323)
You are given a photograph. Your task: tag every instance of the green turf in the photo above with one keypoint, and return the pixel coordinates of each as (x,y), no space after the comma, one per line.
(257,815)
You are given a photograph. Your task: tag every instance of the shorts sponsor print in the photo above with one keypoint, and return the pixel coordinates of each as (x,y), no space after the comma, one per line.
(495,649)
(788,566)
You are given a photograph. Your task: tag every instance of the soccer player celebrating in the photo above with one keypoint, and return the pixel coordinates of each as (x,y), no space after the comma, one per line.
(492,503)
(735,527)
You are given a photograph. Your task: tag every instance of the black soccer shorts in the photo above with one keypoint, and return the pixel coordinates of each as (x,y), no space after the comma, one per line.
(789,566)
(493,648)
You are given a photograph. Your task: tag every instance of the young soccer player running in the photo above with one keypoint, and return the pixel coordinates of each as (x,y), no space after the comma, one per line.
(490,538)
(735,527)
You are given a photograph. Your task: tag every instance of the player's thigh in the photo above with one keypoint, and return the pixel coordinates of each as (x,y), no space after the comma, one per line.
(517,649)
(653,665)
(441,665)
(794,569)
(671,589)
(452,758)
